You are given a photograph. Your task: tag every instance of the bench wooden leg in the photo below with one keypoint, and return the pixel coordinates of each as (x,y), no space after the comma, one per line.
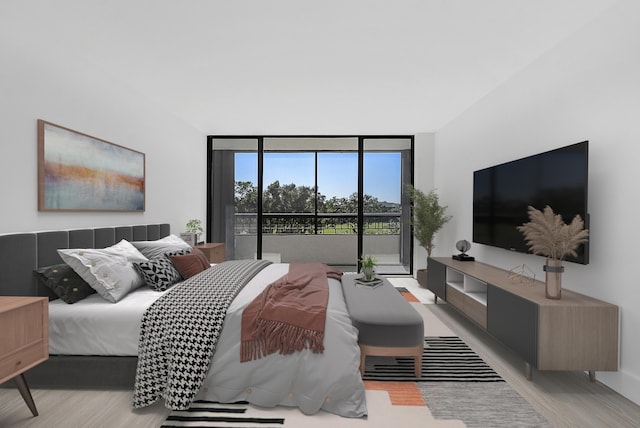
(418,362)
(381,351)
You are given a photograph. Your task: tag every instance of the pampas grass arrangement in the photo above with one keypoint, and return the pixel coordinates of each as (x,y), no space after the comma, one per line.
(548,235)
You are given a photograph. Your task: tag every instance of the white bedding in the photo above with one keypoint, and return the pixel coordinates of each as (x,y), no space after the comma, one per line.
(330,381)
(94,326)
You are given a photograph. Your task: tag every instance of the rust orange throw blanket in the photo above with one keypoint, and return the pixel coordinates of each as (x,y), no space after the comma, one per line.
(289,315)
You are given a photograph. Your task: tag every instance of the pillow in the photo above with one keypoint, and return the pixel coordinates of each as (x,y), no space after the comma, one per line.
(202,256)
(64,282)
(159,273)
(156,249)
(190,264)
(109,271)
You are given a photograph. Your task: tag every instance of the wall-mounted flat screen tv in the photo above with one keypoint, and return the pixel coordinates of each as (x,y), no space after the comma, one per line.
(502,193)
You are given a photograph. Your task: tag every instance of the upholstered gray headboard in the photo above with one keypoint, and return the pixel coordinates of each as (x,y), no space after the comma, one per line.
(21,253)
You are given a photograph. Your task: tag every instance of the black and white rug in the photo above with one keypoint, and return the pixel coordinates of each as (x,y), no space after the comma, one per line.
(444,359)
(212,414)
(455,384)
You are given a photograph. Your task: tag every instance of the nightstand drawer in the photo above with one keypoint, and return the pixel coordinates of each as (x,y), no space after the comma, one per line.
(24,338)
(22,360)
(20,326)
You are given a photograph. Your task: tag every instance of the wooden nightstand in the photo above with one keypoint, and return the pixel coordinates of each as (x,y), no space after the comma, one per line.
(24,340)
(214,251)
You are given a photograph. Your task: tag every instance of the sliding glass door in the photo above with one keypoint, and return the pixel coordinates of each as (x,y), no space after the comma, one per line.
(386,210)
(327,199)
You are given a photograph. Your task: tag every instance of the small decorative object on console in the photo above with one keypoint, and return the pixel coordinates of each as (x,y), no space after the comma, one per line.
(463,246)
(548,235)
(522,274)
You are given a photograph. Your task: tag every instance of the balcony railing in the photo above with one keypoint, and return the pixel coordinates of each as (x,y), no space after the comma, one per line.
(330,238)
(320,224)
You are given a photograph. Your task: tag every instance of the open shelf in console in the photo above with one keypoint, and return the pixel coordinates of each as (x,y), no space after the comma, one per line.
(475,289)
(468,285)
(468,294)
(455,279)
(479,297)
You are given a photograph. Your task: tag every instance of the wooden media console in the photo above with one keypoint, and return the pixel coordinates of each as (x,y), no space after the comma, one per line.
(576,332)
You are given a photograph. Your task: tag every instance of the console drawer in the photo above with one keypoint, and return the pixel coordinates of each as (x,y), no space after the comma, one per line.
(476,311)
(455,297)
(472,308)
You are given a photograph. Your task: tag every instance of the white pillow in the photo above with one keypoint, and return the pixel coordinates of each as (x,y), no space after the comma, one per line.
(155,249)
(109,271)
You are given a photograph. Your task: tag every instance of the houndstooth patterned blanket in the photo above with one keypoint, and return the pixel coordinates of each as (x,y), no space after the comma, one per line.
(180,330)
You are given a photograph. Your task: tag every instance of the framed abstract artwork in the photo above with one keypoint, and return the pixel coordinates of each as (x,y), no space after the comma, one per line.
(78,172)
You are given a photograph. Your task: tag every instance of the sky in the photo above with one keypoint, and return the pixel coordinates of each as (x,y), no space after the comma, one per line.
(337,172)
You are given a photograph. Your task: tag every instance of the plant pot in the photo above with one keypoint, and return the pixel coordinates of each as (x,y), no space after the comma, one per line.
(553,278)
(368,273)
(421,276)
(189,238)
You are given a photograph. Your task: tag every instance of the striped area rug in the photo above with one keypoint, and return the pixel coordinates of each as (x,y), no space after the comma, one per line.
(444,359)
(212,414)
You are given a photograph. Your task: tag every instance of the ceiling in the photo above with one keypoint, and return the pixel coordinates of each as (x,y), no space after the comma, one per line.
(301,66)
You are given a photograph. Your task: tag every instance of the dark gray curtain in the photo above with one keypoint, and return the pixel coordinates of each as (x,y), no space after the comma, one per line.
(223,194)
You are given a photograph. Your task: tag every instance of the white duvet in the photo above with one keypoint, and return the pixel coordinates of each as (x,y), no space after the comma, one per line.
(329,381)
(94,326)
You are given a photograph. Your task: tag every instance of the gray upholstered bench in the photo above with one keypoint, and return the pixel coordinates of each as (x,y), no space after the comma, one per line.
(388,325)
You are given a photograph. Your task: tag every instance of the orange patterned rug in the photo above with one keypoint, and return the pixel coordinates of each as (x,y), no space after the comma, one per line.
(400,393)
(409,297)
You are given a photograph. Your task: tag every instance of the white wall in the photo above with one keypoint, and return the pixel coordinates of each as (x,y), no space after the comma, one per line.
(39,83)
(423,179)
(586,88)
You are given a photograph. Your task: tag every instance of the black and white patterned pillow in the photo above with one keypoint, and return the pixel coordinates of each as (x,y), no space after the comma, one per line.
(159,273)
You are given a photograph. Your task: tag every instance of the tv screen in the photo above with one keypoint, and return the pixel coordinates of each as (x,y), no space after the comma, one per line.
(502,193)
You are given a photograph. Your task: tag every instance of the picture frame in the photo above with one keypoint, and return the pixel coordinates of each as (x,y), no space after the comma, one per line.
(78,172)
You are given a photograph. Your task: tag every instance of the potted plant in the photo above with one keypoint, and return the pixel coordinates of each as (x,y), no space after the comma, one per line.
(428,218)
(368,264)
(548,235)
(194,228)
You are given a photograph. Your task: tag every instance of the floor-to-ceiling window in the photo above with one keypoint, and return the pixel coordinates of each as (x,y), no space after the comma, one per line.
(328,199)
(387,168)
(232,203)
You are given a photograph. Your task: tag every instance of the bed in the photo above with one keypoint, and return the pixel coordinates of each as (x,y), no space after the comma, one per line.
(94,342)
